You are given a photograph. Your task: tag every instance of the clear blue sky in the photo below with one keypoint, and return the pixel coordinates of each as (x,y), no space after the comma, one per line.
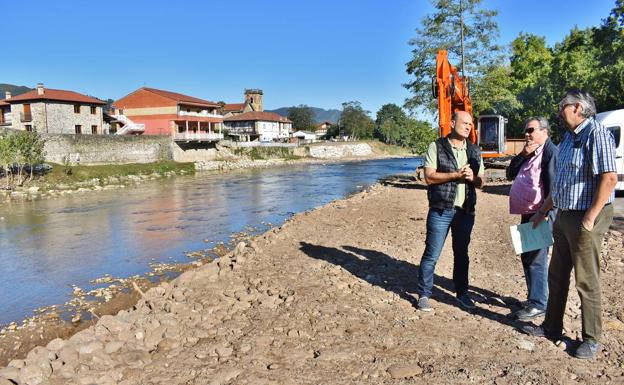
(320,53)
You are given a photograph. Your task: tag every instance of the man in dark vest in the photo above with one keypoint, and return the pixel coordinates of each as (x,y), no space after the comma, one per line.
(453,171)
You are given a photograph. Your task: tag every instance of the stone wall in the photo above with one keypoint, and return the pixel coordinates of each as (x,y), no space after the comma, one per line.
(190,152)
(107,149)
(341,150)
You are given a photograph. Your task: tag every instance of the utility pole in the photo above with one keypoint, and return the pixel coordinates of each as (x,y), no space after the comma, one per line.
(461,26)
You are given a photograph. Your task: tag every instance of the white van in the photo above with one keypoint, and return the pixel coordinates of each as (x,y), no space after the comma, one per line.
(614,121)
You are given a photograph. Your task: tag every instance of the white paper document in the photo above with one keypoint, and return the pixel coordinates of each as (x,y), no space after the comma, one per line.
(526,238)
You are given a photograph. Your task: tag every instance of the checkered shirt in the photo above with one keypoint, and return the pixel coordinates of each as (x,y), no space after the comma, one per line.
(583,155)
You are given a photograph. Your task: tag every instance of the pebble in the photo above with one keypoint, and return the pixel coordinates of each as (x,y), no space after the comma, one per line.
(404,371)
(526,345)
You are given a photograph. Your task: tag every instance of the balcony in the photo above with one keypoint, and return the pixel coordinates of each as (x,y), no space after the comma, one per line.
(25,117)
(197,136)
(241,131)
(203,114)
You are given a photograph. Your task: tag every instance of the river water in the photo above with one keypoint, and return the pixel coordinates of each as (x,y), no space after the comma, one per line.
(48,245)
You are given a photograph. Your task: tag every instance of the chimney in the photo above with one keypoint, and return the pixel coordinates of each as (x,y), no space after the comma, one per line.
(40,89)
(7,95)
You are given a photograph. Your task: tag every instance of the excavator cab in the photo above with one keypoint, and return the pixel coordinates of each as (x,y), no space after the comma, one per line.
(491,138)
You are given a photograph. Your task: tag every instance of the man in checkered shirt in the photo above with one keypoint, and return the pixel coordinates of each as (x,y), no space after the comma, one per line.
(583,192)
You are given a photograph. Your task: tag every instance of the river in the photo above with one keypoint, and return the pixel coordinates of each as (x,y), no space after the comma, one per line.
(48,245)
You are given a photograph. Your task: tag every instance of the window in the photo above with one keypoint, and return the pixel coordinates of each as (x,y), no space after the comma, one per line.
(77,108)
(94,130)
(93,109)
(29,128)
(78,128)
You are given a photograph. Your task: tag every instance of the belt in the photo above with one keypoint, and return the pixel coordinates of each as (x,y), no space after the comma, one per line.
(580,211)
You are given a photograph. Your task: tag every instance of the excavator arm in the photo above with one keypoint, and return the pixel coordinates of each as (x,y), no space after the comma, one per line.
(452,93)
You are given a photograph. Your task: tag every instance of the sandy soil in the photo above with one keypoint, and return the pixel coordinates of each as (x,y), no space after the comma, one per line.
(329,298)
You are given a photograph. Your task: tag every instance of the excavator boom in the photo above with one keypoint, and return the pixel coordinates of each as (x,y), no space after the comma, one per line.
(452,92)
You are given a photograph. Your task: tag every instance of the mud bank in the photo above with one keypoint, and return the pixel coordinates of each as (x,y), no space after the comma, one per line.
(329,298)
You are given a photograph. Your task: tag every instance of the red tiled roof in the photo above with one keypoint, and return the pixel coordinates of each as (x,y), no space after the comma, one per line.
(325,122)
(4,103)
(52,94)
(181,98)
(234,107)
(258,115)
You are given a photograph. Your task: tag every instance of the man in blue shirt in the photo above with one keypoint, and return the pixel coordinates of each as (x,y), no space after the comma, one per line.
(583,192)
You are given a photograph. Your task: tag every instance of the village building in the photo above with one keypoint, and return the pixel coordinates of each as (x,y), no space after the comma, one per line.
(262,126)
(321,128)
(304,137)
(253,102)
(151,111)
(5,112)
(53,111)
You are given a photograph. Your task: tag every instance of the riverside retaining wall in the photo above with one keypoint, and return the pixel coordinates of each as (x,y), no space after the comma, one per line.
(341,150)
(107,149)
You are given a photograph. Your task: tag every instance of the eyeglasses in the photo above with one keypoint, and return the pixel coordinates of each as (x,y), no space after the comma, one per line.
(529,130)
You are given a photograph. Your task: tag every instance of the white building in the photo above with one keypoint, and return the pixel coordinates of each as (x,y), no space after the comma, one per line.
(256,125)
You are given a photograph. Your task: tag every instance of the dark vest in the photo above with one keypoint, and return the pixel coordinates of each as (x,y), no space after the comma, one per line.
(442,196)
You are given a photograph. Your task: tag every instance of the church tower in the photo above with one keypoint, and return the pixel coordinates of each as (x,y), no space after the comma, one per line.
(253,98)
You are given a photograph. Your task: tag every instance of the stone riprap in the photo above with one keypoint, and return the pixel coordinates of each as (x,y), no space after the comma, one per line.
(341,150)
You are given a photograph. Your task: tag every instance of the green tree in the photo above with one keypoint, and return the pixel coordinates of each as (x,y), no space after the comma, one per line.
(8,155)
(355,122)
(390,119)
(417,135)
(441,30)
(531,71)
(302,117)
(18,150)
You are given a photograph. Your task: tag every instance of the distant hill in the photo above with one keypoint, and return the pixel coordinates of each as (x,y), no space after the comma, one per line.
(320,115)
(13,89)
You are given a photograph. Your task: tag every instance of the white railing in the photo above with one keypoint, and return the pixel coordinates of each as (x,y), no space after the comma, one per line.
(198,136)
(200,114)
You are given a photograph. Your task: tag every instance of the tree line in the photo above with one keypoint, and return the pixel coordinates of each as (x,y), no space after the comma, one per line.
(527,78)
(392,125)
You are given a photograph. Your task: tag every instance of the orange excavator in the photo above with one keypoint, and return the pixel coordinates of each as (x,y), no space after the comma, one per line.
(453,94)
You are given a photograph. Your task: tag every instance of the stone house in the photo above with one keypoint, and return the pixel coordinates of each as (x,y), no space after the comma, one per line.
(253,102)
(54,111)
(159,112)
(262,126)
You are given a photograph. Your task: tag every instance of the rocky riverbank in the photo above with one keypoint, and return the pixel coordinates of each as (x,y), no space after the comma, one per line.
(329,298)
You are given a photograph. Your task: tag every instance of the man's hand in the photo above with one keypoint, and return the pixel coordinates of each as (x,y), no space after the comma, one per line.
(529,148)
(536,219)
(588,222)
(466,174)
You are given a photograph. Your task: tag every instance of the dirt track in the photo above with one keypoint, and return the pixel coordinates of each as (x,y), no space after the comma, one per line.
(328,299)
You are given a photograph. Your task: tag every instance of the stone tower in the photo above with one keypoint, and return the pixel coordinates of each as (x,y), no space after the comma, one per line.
(253,98)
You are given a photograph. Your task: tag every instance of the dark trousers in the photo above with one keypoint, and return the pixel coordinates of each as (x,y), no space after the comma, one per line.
(575,247)
(535,265)
(439,221)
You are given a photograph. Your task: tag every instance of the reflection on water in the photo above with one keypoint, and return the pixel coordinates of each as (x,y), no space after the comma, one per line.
(48,245)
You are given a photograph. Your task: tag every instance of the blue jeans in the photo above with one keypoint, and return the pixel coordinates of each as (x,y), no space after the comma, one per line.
(535,264)
(439,221)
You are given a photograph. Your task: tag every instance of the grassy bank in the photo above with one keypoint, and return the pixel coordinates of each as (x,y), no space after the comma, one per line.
(65,174)
(389,149)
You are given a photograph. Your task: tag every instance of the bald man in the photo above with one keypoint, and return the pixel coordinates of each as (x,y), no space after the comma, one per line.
(453,171)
